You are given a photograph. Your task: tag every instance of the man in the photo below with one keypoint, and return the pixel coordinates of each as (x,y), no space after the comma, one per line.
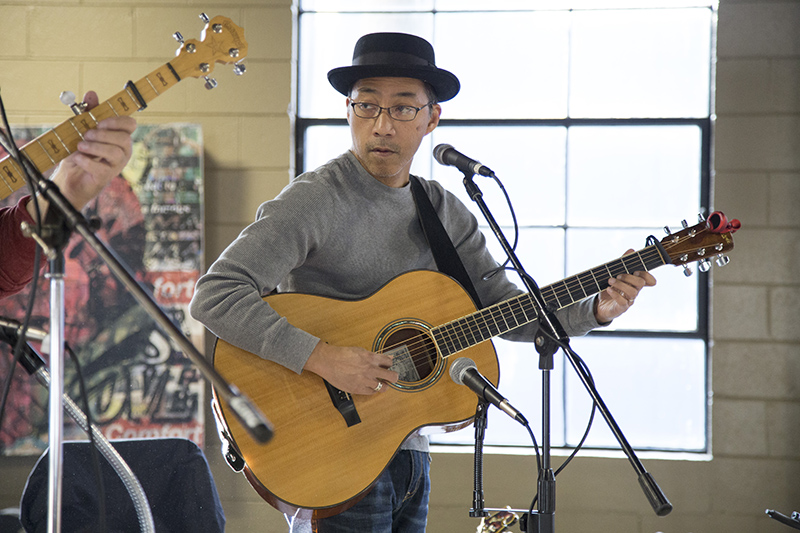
(102,154)
(347,228)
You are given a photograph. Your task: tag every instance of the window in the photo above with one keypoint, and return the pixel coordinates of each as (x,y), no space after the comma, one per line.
(598,122)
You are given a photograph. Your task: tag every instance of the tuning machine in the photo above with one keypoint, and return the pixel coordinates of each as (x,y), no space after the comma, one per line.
(68,98)
(211,83)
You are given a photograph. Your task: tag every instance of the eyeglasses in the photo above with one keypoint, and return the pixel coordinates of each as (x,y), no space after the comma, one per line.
(403,113)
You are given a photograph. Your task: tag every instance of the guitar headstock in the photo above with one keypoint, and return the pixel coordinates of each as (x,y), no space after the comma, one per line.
(708,239)
(221,41)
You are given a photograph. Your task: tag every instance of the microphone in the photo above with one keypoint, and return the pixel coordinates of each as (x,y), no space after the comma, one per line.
(449,156)
(29,359)
(464,372)
(13,328)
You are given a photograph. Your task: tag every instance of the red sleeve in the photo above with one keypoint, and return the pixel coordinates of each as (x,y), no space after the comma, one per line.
(16,250)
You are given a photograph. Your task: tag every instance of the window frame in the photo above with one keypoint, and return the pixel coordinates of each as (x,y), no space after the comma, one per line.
(705,125)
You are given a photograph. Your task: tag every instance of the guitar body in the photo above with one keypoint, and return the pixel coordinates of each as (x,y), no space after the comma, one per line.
(315,461)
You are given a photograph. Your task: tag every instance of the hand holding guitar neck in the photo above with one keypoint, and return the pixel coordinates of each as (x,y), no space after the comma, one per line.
(101,154)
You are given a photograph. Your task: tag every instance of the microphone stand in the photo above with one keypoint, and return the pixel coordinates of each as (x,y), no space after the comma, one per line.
(550,337)
(67,218)
(480,432)
(53,239)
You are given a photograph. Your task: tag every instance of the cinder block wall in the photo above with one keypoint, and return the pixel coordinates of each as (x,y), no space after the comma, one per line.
(50,46)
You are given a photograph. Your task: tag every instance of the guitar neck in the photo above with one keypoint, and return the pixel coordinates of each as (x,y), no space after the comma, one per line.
(511,314)
(53,146)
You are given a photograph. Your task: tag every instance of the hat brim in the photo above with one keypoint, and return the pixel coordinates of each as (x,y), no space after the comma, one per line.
(443,82)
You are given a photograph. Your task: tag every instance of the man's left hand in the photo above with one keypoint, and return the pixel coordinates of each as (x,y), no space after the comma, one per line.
(621,294)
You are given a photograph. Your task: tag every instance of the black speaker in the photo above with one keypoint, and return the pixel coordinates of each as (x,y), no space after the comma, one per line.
(173,472)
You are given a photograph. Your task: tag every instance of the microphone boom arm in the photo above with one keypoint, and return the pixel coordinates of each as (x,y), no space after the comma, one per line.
(544,521)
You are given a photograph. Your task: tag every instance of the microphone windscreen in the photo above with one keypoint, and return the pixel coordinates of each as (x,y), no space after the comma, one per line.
(459,367)
(438,153)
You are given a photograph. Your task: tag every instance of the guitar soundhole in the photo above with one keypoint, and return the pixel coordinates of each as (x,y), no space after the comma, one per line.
(414,354)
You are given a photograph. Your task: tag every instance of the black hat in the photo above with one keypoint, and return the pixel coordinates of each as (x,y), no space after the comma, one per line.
(400,55)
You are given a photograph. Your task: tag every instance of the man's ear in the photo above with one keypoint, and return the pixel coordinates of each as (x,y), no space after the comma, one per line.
(349,109)
(436,111)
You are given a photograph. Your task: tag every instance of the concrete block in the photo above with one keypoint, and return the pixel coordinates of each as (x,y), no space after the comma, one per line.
(785,312)
(756,370)
(758,143)
(784,197)
(763,29)
(81,33)
(744,196)
(740,312)
(739,427)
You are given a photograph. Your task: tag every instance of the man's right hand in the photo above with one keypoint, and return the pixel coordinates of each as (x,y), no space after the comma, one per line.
(353,370)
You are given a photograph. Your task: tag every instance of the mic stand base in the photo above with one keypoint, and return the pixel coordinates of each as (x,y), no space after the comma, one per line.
(480,432)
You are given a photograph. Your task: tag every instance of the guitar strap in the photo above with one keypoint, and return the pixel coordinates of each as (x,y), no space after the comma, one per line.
(444,253)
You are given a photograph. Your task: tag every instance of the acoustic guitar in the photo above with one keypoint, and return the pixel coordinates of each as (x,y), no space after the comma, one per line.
(329,447)
(222,41)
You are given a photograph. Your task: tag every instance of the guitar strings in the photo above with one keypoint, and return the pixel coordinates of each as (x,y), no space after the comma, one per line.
(468,326)
(451,333)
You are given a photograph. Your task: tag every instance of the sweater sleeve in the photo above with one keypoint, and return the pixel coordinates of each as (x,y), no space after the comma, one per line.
(228,299)
(17,256)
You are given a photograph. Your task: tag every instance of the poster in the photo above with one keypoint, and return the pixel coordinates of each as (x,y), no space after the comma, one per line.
(139,383)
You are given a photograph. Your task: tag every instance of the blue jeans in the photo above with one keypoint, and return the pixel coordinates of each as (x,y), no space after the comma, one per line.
(398,502)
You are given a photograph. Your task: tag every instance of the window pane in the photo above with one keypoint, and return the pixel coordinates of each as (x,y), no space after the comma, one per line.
(640,63)
(492,52)
(670,306)
(541,252)
(529,161)
(324,46)
(323,143)
(628,176)
(521,384)
(366,5)
(654,388)
(514,5)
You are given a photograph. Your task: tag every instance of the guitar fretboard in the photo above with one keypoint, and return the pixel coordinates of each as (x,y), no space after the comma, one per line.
(51,147)
(506,316)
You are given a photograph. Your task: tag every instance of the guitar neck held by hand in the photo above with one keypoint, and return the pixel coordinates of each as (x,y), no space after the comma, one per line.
(222,41)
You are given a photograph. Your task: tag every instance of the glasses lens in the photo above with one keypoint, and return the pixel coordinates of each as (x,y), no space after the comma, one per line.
(403,112)
(366,110)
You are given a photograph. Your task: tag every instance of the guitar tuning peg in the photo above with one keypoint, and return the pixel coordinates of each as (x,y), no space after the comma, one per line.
(666,230)
(178,37)
(68,98)
(210,83)
(204,17)
(723,260)
(687,271)
(684,224)
(704,265)
(239,69)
